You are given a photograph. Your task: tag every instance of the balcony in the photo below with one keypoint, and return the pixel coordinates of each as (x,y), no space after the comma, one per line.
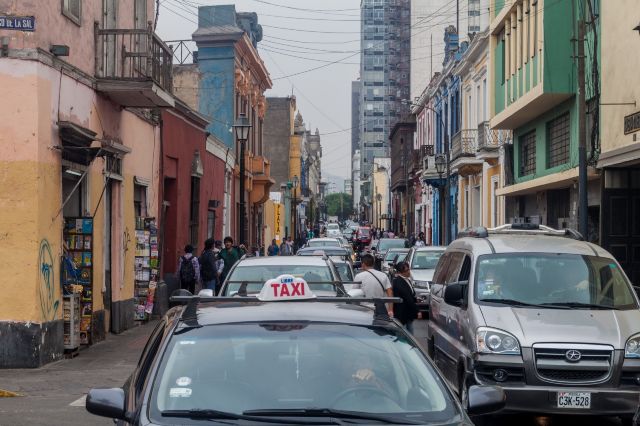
(490,140)
(261,180)
(133,67)
(464,145)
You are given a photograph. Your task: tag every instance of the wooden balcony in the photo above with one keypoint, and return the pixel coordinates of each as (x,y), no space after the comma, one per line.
(133,67)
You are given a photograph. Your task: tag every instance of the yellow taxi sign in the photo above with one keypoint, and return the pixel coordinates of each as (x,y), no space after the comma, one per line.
(285,287)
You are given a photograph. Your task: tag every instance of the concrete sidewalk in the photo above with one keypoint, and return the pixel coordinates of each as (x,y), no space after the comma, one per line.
(54,394)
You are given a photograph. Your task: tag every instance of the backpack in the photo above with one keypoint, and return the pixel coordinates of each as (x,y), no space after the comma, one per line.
(187,271)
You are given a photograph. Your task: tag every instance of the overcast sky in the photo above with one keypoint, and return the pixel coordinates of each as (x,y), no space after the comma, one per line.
(304,39)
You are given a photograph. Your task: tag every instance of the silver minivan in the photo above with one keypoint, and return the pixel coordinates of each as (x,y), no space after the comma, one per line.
(548,317)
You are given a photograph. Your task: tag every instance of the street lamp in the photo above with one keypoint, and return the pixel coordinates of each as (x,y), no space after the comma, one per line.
(241,128)
(295,207)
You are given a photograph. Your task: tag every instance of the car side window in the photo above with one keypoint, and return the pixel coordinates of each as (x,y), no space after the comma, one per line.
(148,354)
(465,272)
(441,269)
(455,265)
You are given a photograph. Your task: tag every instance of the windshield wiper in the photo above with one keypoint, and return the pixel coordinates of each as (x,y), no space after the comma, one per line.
(513,302)
(579,305)
(201,413)
(328,412)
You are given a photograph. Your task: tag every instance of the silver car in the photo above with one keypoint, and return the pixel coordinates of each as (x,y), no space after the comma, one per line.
(423,261)
(249,274)
(548,317)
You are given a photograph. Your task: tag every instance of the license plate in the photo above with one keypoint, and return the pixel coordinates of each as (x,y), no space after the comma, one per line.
(574,400)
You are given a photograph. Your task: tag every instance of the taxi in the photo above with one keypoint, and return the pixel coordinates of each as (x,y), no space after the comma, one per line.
(285,356)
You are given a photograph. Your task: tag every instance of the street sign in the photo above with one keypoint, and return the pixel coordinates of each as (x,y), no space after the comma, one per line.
(632,123)
(18,23)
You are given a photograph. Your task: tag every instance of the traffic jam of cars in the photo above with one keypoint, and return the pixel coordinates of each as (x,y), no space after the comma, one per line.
(521,318)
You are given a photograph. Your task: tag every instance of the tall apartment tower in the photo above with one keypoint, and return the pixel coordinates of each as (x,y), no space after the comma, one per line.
(355,116)
(384,75)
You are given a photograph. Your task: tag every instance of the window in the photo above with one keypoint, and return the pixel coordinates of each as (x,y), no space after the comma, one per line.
(140,200)
(558,141)
(195,209)
(72,9)
(528,154)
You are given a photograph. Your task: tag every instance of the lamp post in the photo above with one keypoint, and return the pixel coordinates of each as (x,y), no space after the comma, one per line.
(379,198)
(241,128)
(296,181)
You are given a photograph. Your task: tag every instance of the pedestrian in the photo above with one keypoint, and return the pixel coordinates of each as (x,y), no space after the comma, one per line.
(420,242)
(188,269)
(407,311)
(286,248)
(385,234)
(207,262)
(372,282)
(391,234)
(230,254)
(273,249)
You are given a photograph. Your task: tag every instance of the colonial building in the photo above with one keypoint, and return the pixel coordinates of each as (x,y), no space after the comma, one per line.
(230,79)
(534,87)
(80,151)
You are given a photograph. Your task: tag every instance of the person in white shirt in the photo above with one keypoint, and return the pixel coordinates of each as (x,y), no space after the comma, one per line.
(372,282)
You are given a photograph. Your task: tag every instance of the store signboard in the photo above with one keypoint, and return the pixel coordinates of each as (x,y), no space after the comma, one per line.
(277,221)
(632,123)
(18,23)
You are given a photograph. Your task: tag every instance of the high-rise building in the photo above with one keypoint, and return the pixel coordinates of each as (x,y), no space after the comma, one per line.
(384,75)
(355,116)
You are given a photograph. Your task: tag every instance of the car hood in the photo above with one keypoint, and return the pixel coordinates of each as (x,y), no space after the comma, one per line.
(531,325)
(422,274)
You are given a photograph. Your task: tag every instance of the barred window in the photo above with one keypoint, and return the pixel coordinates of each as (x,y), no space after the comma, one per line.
(528,154)
(558,141)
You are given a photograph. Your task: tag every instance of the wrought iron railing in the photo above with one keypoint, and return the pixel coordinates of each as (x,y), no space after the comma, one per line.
(133,55)
(184,51)
(464,143)
(491,139)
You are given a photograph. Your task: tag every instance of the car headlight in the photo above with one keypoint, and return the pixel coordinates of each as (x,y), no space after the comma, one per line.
(422,284)
(492,341)
(632,348)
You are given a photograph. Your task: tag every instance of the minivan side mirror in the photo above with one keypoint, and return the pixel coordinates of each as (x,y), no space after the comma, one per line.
(486,400)
(455,293)
(107,403)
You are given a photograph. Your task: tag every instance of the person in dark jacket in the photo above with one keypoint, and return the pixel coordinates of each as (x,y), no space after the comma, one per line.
(407,311)
(208,265)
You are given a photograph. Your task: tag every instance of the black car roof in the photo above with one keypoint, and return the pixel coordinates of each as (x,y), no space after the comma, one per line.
(218,313)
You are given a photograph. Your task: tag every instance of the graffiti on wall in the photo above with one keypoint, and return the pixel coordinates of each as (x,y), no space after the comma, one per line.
(46,285)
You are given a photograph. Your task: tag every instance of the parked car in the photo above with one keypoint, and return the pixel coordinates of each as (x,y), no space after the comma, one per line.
(290,358)
(423,261)
(363,237)
(323,242)
(393,255)
(550,318)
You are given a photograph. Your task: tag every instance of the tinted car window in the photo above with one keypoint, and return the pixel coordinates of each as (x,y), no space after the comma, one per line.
(441,269)
(553,279)
(455,264)
(240,367)
(392,254)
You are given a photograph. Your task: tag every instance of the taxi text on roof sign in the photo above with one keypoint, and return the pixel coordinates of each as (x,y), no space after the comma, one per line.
(285,287)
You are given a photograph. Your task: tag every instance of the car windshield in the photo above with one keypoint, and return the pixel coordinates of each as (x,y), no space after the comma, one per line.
(392,254)
(279,366)
(553,279)
(256,276)
(323,243)
(426,259)
(386,244)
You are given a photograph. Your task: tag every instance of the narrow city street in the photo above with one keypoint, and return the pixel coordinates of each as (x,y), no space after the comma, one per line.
(54,394)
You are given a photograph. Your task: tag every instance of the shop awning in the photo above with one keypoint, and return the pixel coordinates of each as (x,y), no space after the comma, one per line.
(620,157)
(552,181)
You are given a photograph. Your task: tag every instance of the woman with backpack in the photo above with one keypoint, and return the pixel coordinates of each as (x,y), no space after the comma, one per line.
(188,269)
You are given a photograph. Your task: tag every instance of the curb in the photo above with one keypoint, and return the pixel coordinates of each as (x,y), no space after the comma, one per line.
(8,394)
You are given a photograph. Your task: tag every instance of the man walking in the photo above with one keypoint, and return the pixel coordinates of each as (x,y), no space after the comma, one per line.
(188,269)
(286,248)
(273,249)
(372,282)
(207,265)
(230,254)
